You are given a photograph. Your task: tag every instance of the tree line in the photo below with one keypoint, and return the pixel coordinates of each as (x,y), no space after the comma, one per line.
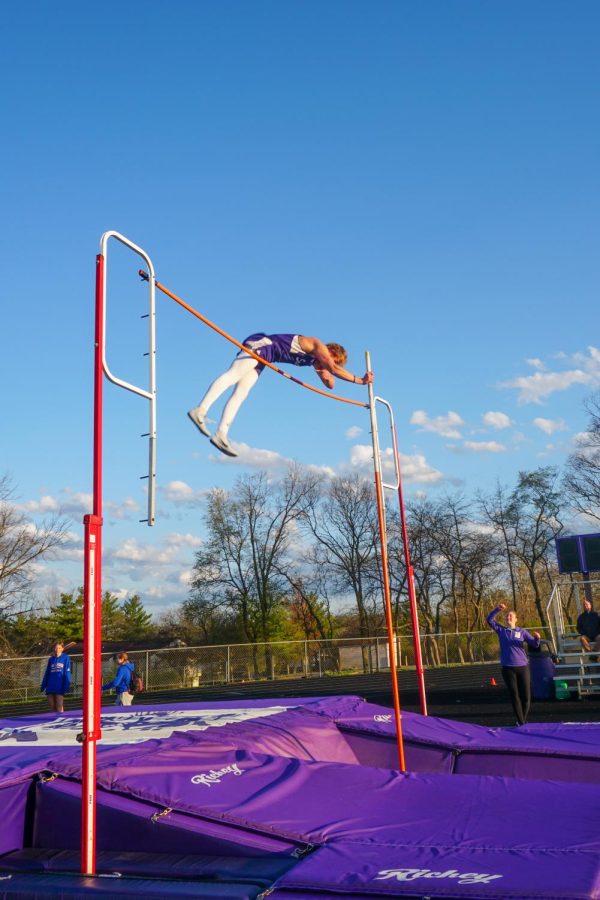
(299,558)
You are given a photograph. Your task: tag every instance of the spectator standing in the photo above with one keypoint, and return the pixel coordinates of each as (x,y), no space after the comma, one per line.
(588,627)
(122,681)
(57,678)
(514,660)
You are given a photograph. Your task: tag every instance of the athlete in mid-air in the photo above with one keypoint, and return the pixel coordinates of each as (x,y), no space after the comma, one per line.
(328,361)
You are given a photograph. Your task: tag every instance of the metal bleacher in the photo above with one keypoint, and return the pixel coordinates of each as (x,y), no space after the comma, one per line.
(578,669)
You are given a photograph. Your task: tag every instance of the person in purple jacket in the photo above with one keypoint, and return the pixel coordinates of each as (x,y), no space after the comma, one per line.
(57,677)
(328,361)
(514,661)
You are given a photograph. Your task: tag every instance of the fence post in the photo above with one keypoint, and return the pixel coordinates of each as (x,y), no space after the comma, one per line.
(446,646)
(147,669)
(228,665)
(306,659)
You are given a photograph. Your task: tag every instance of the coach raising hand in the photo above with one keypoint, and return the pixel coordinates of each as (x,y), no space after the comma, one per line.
(514,661)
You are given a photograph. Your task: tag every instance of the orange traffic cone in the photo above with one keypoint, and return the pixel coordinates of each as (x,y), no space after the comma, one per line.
(493,682)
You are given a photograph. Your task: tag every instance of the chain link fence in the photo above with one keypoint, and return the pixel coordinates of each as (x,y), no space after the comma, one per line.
(195,667)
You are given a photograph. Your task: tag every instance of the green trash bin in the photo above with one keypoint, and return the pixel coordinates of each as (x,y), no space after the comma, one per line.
(561,690)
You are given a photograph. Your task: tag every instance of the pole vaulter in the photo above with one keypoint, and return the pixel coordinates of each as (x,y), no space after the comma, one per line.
(93,528)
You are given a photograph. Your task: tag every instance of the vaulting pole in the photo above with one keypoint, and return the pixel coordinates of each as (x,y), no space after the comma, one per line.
(264,362)
(385,571)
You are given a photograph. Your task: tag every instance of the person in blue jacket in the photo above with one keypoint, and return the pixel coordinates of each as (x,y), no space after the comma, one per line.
(122,681)
(514,660)
(57,678)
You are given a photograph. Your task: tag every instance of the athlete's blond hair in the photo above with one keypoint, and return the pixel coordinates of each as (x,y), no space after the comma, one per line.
(339,353)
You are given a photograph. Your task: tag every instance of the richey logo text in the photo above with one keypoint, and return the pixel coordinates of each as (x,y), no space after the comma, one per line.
(215,775)
(413,874)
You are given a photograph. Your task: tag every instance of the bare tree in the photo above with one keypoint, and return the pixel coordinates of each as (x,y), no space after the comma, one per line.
(251,532)
(430,584)
(582,474)
(494,508)
(344,526)
(533,523)
(22,545)
(470,556)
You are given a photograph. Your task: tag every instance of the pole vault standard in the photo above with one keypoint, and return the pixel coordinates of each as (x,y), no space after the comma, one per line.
(93,528)
(380,486)
(92,579)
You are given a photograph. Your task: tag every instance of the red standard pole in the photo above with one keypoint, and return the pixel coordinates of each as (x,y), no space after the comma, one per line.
(387,596)
(412,597)
(92,609)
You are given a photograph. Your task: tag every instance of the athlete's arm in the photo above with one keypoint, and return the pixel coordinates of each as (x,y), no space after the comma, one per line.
(326,377)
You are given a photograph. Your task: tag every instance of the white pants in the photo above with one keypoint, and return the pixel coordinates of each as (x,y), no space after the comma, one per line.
(243,375)
(124,699)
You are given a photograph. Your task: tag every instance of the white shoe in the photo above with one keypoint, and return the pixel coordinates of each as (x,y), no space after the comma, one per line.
(221,444)
(199,421)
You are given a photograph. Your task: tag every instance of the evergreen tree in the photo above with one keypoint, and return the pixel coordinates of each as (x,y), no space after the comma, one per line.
(65,621)
(27,634)
(113,621)
(137,623)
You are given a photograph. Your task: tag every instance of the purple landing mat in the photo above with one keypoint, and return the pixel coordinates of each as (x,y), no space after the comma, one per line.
(298,733)
(566,752)
(45,884)
(29,743)
(313,802)
(365,733)
(261,871)
(126,824)
(14,815)
(362,870)
(229,799)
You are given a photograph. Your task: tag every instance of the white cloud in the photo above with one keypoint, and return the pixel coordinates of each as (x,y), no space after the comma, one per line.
(133,551)
(484,447)
(497,420)
(46,504)
(72,503)
(446,426)
(179,492)
(584,369)
(269,460)
(353,432)
(123,509)
(585,443)
(550,426)
(582,438)
(76,503)
(414,468)
(71,548)
(186,577)
(178,540)
(535,363)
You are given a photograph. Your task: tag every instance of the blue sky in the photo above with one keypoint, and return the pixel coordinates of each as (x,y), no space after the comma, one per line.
(419,180)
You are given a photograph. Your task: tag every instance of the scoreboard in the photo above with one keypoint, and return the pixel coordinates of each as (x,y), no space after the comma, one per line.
(578,553)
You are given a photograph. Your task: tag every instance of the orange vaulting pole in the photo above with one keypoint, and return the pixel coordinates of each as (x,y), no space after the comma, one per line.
(387,596)
(264,362)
